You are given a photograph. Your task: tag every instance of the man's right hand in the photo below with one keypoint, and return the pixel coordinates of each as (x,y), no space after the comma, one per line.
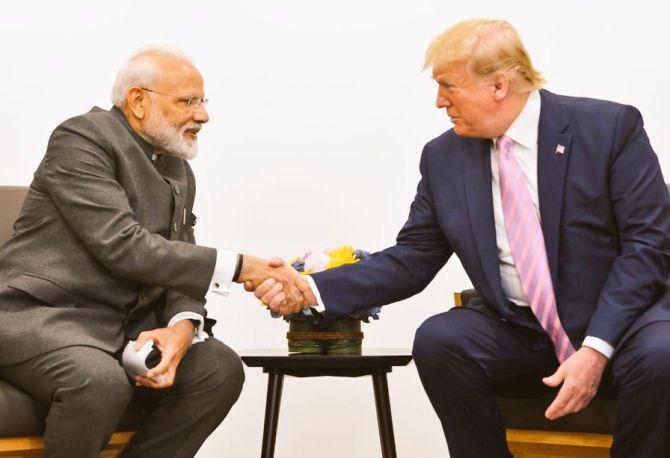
(279,286)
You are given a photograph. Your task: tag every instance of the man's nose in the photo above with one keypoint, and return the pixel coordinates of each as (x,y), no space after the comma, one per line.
(200,114)
(442,101)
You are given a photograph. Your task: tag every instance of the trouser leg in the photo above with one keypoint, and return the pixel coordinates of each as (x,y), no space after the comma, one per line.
(86,391)
(641,374)
(208,382)
(462,357)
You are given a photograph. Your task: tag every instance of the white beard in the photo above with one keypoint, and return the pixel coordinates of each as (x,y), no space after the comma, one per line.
(170,139)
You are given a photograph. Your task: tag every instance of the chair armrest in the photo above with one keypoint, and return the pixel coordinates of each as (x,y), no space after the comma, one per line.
(464,297)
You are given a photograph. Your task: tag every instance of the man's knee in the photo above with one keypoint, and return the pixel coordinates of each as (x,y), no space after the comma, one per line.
(220,366)
(231,371)
(436,338)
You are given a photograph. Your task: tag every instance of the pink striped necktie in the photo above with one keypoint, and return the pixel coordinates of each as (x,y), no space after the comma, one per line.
(522,224)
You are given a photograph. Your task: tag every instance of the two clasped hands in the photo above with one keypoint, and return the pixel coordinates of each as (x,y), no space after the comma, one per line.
(276,284)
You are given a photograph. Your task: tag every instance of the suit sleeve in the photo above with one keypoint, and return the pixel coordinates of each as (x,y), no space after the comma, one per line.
(179,306)
(642,212)
(395,273)
(80,179)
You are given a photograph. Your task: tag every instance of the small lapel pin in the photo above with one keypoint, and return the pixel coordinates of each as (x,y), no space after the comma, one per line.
(560,149)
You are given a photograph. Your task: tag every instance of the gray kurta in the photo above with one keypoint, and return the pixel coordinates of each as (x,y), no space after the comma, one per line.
(104,244)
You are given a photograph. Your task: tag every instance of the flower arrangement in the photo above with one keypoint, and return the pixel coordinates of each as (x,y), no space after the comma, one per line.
(318,261)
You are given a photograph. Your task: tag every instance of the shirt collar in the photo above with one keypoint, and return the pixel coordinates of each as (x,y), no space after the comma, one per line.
(524,128)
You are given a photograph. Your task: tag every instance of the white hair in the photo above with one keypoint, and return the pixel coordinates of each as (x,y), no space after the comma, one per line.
(141,69)
(170,139)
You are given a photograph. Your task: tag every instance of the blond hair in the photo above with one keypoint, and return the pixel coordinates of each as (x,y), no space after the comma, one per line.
(487,46)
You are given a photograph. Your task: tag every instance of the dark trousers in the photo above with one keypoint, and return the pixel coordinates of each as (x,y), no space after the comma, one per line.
(465,358)
(87,392)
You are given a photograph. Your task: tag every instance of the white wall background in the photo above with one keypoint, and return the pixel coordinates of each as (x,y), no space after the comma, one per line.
(318,115)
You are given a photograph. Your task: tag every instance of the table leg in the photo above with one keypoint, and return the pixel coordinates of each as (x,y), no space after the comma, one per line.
(272,404)
(384,419)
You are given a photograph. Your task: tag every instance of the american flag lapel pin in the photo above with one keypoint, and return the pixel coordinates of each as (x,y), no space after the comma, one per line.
(560,149)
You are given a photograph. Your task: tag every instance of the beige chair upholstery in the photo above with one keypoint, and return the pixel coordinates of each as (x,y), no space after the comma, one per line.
(11,200)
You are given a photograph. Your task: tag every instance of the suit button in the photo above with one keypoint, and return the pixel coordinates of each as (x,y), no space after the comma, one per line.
(176,189)
(503,319)
(174,227)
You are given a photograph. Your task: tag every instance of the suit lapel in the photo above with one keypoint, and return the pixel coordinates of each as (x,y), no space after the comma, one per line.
(477,188)
(553,153)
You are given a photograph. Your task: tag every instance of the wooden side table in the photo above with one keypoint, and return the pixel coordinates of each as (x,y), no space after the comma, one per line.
(278,363)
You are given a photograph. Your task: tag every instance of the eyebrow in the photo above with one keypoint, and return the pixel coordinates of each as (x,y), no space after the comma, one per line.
(192,96)
(449,81)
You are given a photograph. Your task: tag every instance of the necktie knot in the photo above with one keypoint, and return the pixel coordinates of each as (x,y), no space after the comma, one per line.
(504,143)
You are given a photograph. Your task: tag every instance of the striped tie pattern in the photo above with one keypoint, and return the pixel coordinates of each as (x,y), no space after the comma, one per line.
(522,224)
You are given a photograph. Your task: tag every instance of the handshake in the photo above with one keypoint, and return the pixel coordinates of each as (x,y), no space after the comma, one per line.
(277,285)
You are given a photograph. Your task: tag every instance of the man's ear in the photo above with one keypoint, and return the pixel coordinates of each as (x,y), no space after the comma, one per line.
(136,100)
(501,86)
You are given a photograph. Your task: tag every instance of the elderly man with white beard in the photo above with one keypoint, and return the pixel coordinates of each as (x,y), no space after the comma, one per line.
(103,255)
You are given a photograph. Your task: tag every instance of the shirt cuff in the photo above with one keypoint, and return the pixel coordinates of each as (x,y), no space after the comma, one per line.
(599,345)
(319,303)
(200,334)
(226,262)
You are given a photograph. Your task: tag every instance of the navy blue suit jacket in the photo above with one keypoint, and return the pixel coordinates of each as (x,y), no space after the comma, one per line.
(605,215)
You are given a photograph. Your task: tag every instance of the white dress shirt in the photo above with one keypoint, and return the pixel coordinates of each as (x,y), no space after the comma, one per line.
(524,132)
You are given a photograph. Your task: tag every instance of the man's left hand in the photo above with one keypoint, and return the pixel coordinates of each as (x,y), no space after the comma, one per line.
(580,375)
(173,343)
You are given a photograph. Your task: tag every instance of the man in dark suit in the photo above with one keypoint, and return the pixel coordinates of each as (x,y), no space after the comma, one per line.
(557,209)
(103,252)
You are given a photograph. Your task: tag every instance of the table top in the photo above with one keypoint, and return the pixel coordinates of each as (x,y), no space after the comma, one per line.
(370,358)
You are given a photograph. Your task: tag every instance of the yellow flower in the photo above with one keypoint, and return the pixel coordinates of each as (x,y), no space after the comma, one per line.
(342,255)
